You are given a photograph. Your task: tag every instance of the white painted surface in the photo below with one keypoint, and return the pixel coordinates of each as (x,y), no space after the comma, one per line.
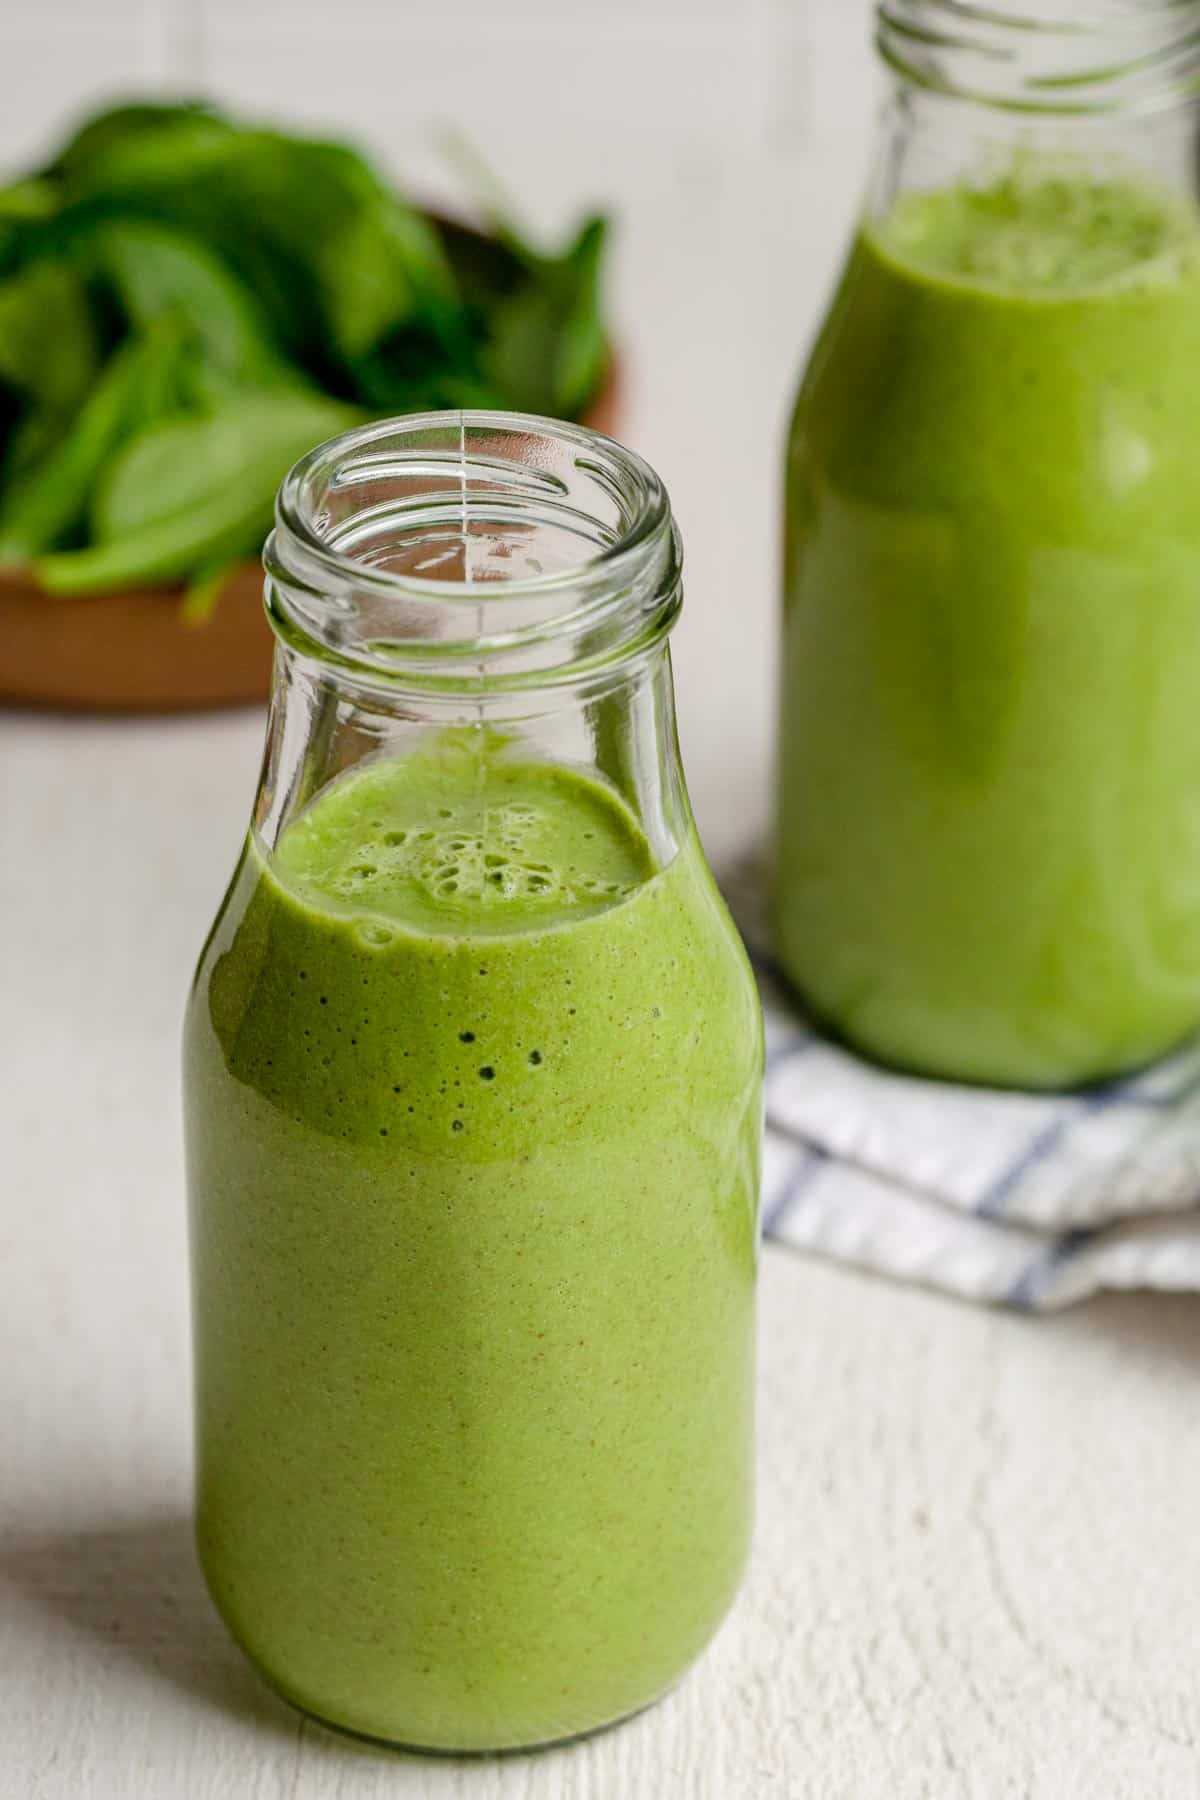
(978,1569)
(566,73)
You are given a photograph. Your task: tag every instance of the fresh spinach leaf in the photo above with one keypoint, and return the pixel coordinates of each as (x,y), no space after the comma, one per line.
(178,464)
(32,199)
(141,121)
(223,525)
(581,357)
(49,500)
(204,590)
(545,351)
(334,259)
(187,305)
(159,272)
(49,345)
(411,372)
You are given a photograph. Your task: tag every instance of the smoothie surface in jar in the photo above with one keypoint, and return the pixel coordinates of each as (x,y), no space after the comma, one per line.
(474,1085)
(989,813)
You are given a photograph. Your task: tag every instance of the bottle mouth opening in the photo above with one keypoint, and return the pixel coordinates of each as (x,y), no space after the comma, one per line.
(1060,58)
(447,549)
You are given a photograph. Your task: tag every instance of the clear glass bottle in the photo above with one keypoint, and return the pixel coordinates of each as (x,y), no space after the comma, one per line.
(472,1073)
(989,791)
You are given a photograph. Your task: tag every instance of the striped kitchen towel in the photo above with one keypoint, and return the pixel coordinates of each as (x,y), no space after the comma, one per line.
(1030,1200)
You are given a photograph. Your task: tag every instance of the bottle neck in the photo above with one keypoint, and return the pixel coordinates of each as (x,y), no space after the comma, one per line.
(623,733)
(1047,58)
(1032,87)
(502,585)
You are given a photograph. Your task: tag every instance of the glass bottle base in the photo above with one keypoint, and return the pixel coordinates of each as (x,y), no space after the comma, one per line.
(402,1746)
(482,1742)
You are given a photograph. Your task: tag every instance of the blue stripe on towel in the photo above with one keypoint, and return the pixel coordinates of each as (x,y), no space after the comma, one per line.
(1187,1090)
(1034,1281)
(1046,1141)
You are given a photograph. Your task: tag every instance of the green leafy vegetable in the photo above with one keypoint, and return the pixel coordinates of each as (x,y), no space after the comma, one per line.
(548,341)
(189,492)
(48,502)
(49,345)
(159,272)
(118,126)
(188,304)
(204,590)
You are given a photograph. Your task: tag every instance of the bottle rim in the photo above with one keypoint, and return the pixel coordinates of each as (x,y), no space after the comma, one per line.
(472,549)
(1048,57)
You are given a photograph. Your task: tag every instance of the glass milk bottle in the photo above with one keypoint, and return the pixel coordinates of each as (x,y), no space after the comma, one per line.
(989,791)
(472,1076)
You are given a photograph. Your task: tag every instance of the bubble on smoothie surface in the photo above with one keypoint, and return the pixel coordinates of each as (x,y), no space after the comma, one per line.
(372,932)
(1035,229)
(434,841)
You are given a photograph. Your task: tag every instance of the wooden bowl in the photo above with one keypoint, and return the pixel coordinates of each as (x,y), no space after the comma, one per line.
(134,652)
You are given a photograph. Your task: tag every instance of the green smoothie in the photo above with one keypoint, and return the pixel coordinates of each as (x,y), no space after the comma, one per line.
(989,813)
(473,1117)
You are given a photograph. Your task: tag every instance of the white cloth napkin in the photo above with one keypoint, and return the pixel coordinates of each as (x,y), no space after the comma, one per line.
(1029,1200)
